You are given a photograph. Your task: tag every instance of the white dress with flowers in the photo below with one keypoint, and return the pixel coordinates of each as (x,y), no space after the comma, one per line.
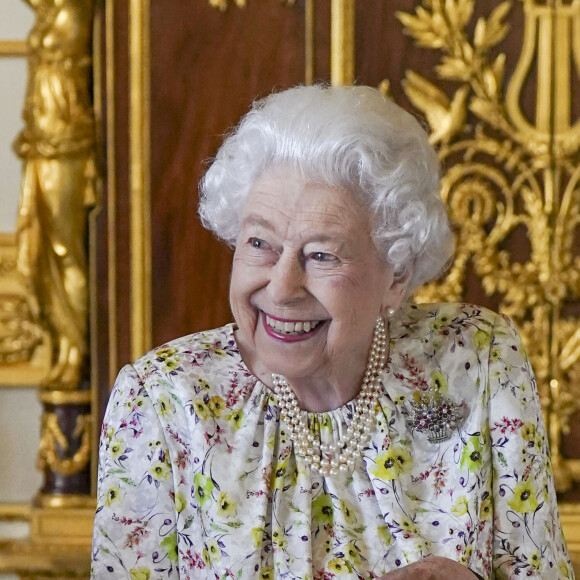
(198,479)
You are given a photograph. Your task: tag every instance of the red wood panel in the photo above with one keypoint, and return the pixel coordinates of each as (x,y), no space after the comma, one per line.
(207,67)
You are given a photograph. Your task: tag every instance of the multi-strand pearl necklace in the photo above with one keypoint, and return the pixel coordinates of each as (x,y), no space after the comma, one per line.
(329,458)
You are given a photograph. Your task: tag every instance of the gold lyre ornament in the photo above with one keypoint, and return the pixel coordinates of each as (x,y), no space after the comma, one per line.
(507,175)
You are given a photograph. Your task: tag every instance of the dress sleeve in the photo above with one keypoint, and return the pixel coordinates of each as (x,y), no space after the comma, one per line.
(528,539)
(135,531)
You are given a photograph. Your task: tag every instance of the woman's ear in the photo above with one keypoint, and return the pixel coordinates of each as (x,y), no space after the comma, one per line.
(396,291)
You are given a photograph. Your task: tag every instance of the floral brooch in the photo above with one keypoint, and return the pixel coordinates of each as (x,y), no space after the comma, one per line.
(435,416)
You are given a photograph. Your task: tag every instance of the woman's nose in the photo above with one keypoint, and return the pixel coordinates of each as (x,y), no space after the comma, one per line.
(286,280)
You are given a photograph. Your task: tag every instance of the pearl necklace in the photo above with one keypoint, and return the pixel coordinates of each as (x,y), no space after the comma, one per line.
(329,459)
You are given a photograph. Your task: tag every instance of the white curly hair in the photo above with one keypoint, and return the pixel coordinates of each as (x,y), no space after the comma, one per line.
(349,137)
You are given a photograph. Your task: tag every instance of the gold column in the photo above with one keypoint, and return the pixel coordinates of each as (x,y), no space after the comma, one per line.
(139,176)
(342,42)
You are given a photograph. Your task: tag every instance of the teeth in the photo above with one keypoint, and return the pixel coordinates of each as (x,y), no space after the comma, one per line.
(292,327)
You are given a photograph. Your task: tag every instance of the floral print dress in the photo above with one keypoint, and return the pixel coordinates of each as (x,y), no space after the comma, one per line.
(198,478)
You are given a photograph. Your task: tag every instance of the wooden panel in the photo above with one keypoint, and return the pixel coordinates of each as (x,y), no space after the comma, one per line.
(207,67)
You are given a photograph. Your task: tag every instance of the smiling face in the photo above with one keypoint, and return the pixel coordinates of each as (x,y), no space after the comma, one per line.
(307,286)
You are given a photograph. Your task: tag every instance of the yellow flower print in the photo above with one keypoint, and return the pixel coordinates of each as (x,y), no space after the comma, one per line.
(482,339)
(236,419)
(279,474)
(539,441)
(211,553)
(116,448)
(471,456)
(495,353)
(400,399)
(113,495)
(460,507)
(525,498)
(466,556)
(563,569)
(322,510)
(393,462)
(180,503)
(439,322)
(325,423)
(484,434)
(279,540)
(485,508)
(439,382)
(352,554)
(165,352)
(169,544)
(347,511)
(203,384)
(340,566)
(140,573)
(166,407)
(201,409)
(159,471)
(216,406)
(258,535)
(535,560)
(203,487)
(266,574)
(385,535)
(528,431)
(170,364)
(226,506)
(109,433)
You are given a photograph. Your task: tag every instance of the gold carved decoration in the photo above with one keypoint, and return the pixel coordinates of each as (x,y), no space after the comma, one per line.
(510,177)
(223,4)
(23,348)
(56,145)
(19,335)
(53,444)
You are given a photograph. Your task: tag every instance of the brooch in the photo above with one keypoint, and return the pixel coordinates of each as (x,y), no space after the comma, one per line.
(435,416)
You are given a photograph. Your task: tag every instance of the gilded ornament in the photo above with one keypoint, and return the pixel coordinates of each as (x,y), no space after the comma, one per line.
(508,174)
(56,145)
(54,444)
(223,4)
(19,335)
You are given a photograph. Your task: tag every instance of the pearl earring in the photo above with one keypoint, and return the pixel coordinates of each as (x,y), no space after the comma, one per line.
(390,312)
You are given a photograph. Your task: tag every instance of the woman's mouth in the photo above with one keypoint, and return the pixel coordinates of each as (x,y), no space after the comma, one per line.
(289,329)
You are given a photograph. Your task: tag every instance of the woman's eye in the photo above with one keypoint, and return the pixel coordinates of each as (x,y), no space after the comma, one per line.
(323,257)
(257,243)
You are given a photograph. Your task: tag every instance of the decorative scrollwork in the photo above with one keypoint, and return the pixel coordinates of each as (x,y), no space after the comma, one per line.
(53,444)
(510,178)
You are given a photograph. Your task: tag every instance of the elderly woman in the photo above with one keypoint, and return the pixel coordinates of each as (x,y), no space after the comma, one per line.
(332,430)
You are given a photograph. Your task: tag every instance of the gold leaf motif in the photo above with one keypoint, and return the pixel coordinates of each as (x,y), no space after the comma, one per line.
(508,176)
